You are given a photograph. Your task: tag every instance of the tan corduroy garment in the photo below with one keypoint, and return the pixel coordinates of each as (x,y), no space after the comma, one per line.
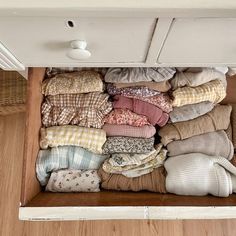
(154,182)
(217,119)
(158,86)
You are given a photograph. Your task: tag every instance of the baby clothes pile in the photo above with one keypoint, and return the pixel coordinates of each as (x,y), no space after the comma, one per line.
(196,140)
(71,138)
(154,129)
(140,104)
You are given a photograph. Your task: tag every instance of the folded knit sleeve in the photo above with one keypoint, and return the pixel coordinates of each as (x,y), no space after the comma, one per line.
(212,144)
(154,181)
(217,119)
(71,83)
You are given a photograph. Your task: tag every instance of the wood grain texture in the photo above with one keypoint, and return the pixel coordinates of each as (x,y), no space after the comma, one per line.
(113,198)
(11,146)
(30,185)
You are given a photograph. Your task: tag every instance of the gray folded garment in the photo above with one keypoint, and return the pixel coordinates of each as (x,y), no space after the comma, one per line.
(194,77)
(212,144)
(189,112)
(138,74)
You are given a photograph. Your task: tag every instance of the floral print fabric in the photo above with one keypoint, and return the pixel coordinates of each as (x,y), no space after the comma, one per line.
(128,145)
(74,181)
(131,91)
(125,117)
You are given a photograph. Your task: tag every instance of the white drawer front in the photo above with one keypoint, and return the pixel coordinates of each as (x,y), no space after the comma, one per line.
(44,41)
(200,41)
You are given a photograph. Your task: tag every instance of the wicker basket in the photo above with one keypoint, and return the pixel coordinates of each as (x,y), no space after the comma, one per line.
(12,92)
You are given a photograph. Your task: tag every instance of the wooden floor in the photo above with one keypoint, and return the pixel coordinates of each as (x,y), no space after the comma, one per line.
(11,148)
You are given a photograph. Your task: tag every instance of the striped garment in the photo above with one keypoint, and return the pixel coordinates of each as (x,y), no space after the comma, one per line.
(213,91)
(87,110)
(66,157)
(89,138)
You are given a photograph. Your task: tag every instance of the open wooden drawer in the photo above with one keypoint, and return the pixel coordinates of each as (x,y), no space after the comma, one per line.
(38,205)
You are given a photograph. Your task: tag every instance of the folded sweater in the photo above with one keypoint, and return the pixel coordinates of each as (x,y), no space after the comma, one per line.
(217,119)
(66,157)
(191,111)
(154,181)
(146,131)
(90,138)
(137,74)
(193,77)
(155,115)
(212,144)
(87,110)
(213,91)
(199,174)
(75,82)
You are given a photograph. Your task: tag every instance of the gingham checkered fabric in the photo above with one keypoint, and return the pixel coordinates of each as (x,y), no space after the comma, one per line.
(90,138)
(213,91)
(86,110)
(66,157)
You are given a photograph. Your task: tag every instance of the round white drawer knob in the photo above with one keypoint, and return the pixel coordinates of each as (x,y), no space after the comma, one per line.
(78,50)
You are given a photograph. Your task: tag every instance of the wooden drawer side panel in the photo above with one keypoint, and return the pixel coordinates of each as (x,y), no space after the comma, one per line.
(30,185)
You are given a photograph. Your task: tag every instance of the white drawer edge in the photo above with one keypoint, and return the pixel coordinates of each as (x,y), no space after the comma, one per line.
(118,213)
(81,213)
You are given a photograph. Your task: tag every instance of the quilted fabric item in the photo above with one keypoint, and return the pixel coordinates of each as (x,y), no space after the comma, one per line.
(70,83)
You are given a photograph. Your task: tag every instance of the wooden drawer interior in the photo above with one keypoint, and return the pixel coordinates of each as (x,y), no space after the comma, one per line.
(33,196)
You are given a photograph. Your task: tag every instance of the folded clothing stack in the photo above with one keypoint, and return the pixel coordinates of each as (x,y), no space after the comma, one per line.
(72,139)
(196,132)
(140,103)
